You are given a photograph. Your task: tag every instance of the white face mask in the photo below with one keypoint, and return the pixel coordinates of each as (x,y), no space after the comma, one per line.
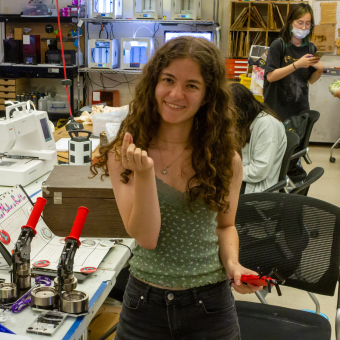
(300,34)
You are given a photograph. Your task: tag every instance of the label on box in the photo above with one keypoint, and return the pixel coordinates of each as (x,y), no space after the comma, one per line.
(53,70)
(9,36)
(96,96)
(80,23)
(26,39)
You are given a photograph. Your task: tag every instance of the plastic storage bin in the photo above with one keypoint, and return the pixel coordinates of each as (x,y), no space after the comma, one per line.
(246,82)
(101,119)
(57,106)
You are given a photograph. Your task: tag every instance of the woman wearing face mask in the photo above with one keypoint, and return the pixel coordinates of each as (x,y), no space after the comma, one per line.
(290,65)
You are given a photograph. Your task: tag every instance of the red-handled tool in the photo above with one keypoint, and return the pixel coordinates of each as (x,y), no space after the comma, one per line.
(264,281)
(65,280)
(78,225)
(21,274)
(35,214)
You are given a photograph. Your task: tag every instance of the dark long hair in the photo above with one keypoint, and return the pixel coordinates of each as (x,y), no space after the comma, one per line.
(247,108)
(213,135)
(296,12)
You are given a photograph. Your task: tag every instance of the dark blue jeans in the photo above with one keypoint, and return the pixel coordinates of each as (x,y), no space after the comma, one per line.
(203,313)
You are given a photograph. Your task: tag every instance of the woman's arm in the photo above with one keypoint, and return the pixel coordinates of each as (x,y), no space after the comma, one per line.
(228,240)
(303,62)
(138,199)
(319,67)
(337,94)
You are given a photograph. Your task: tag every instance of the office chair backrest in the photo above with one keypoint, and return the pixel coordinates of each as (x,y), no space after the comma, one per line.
(312,119)
(312,177)
(297,235)
(292,143)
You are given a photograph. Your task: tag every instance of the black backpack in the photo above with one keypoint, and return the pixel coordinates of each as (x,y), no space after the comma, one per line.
(297,124)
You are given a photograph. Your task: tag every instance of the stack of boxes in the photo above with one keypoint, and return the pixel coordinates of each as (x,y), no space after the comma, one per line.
(9,88)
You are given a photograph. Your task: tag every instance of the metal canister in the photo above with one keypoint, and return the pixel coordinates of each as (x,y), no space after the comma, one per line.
(18,97)
(35,101)
(24,276)
(22,97)
(70,283)
(44,298)
(74,302)
(8,292)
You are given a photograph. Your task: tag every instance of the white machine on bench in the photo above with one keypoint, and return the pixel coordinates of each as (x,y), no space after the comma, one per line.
(27,147)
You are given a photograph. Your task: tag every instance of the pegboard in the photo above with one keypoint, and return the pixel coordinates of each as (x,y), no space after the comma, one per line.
(317,18)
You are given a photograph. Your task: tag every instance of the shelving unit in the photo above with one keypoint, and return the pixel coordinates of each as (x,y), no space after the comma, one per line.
(249,26)
(93,21)
(112,71)
(16,18)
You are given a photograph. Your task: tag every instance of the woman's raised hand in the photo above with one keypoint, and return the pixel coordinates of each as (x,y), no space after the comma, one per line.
(306,61)
(134,158)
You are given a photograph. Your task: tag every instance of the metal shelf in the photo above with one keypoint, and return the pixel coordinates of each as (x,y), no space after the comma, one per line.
(114,70)
(19,18)
(163,22)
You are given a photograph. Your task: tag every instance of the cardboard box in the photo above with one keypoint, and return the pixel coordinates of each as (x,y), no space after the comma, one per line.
(106,317)
(18,33)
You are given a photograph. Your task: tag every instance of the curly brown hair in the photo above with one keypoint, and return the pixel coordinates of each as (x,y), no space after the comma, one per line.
(213,135)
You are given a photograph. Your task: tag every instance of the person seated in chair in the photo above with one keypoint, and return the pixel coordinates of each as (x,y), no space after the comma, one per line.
(263,140)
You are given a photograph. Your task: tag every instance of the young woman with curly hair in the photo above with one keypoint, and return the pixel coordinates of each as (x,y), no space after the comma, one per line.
(176,176)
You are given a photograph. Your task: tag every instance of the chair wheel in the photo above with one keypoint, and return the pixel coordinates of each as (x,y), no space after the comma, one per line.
(332,159)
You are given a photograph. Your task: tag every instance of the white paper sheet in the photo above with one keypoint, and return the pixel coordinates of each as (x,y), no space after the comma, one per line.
(15,209)
(62,144)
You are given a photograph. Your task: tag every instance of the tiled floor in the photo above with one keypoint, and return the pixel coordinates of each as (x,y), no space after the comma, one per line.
(326,189)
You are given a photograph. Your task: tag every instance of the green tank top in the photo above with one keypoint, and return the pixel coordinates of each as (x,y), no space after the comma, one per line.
(186,254)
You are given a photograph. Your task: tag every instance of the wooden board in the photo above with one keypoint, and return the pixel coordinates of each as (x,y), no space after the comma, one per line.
(8,95)
(13,81)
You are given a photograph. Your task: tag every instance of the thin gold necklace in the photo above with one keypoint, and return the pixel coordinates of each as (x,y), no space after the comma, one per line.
(165,168)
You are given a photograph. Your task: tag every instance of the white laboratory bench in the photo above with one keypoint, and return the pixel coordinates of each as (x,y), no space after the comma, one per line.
(97,286)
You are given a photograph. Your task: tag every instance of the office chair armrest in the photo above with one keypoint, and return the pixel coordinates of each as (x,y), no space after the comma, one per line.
(299,154)
(278,186)
(307,159)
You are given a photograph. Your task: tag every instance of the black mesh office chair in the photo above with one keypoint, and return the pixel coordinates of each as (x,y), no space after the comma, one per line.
(312,177)
(293,141)
(302,241)
(296,173)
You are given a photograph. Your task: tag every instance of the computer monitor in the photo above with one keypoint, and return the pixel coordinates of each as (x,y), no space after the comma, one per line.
(168,35)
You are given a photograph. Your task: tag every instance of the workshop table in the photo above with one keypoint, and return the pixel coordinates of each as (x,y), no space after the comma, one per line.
(97,286)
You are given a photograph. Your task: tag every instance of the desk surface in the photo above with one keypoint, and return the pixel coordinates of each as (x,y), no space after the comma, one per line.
(98,286)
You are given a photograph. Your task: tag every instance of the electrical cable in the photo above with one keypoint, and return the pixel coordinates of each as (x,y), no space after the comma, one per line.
(134,35)
(62,54)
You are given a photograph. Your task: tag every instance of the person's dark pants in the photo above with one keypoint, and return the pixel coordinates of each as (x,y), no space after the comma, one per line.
(203,313)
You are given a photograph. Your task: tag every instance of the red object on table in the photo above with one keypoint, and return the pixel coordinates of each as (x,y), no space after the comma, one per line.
(35,214)
(78,224)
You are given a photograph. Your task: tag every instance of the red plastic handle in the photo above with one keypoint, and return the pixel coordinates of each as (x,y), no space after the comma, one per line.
(78,224)
(35,214)
(256,280)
